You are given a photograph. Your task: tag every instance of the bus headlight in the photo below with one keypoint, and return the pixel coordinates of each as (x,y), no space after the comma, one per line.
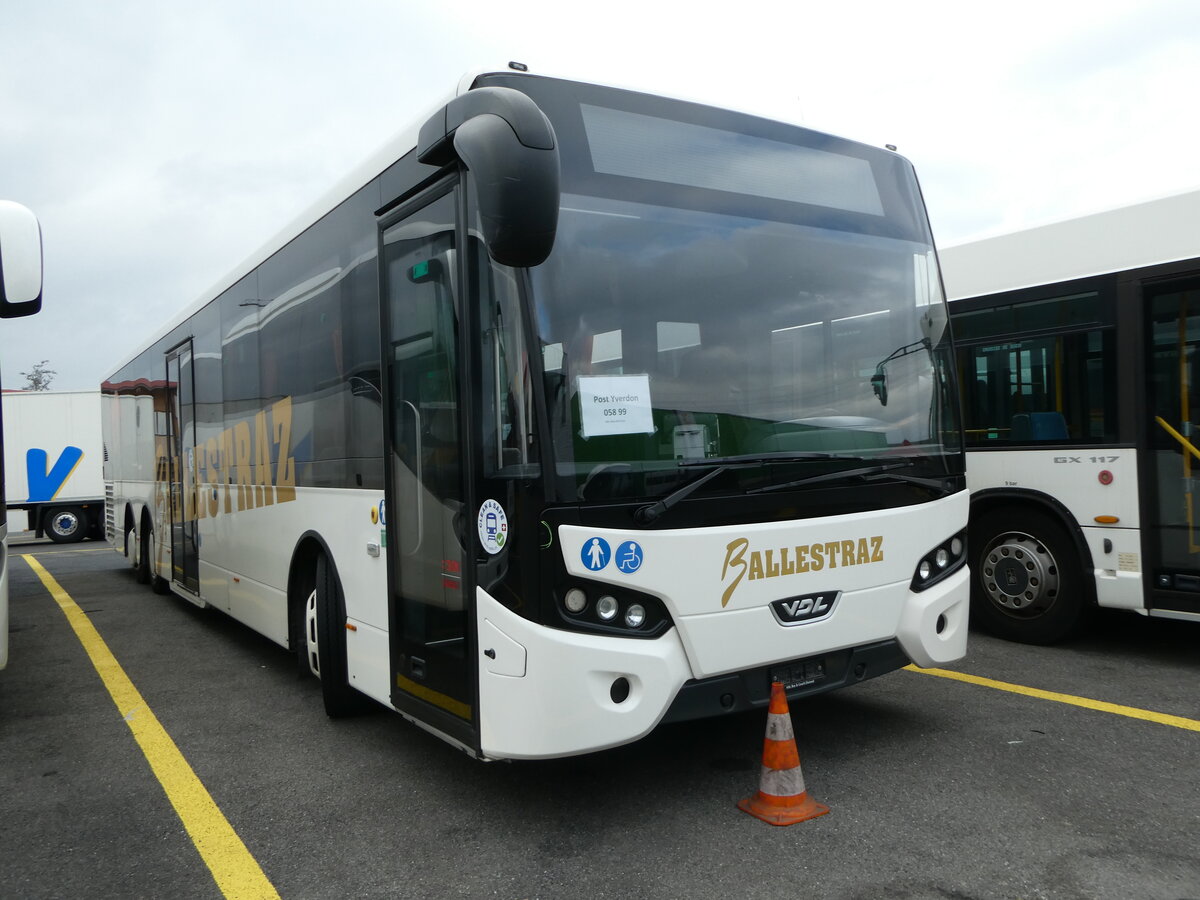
(575,600)
(610,609)
(949,556)
(606,607)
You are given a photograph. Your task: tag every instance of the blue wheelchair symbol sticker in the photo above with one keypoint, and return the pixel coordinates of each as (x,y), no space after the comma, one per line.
(595,553)
(629,557)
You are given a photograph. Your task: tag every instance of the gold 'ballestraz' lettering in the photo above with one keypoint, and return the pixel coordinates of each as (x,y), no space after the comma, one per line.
(243,467)
(734,551)
(263,492)
(285,469)
(242,442)
(754,565)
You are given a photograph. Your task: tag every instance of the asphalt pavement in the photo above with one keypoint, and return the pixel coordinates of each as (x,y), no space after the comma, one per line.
(938,788)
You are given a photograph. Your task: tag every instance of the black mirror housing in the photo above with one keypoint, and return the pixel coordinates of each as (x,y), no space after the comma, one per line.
(509,146)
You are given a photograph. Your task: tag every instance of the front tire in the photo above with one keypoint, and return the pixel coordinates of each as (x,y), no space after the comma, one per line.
(324,646)
(1026,581)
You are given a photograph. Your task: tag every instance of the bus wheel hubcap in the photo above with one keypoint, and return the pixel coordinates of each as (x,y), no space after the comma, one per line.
(1019,573)
(310,633)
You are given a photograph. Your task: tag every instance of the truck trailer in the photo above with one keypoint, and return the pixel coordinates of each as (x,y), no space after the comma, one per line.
(53,462)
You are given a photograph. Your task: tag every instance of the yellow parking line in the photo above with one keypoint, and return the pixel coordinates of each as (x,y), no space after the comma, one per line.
(236,872)
(1099,705)
(77,550)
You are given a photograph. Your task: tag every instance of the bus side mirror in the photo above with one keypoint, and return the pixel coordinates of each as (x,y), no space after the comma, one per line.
(509,145)
(20,261)
(879,383)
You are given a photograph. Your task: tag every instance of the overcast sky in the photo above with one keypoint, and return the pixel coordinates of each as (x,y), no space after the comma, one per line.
(161,143)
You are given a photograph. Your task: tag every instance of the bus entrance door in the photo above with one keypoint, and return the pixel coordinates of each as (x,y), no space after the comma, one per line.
(1173,535)
(432,665)
(181,450)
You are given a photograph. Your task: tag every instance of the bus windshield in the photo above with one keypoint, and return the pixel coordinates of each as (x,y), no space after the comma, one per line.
(689,313)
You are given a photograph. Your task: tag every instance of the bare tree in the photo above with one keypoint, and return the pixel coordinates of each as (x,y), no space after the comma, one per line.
(39,377)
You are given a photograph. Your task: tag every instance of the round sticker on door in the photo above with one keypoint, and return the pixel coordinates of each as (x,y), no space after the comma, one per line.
(493,526)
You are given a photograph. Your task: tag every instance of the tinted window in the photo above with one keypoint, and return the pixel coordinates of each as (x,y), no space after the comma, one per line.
(317,321)
(1055,386)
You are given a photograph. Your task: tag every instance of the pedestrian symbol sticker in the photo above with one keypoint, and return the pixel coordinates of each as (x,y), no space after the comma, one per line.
(595,554)
(629,557)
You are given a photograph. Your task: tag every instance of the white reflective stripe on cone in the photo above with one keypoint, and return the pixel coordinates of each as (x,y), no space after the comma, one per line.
(779,728)
(781,782)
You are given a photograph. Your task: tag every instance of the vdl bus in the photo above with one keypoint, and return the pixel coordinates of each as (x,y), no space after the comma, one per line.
(20,295)
(574,411)
(1078,347)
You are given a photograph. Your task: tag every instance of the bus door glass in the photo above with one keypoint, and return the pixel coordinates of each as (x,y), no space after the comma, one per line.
(181,468)
(430,659)
(1174,454)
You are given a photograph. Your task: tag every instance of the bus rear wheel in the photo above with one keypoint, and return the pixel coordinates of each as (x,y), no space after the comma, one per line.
(144,550)
(1026,582)
(324,645)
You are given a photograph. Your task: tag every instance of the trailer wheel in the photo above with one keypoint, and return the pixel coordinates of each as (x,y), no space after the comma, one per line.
(65,524)
(324,646)
(1026,582)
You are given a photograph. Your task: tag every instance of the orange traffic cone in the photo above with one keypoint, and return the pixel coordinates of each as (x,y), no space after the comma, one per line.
(781,797)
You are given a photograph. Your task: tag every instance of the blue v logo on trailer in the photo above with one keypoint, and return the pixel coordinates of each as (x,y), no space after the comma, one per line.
(44,483)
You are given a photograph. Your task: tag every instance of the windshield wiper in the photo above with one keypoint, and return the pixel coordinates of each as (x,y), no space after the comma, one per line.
(880,471)
(649,513)
(755,459)
(866,473)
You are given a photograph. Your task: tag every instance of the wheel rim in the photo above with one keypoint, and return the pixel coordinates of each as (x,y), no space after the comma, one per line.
(65,524)
(1019,574)
(310,634)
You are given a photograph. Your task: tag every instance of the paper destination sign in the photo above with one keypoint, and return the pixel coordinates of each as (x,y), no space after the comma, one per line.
(615,404)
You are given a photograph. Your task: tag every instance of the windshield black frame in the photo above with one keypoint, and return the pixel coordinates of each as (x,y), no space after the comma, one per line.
(899,223)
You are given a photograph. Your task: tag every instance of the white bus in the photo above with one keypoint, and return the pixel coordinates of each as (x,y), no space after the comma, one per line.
(574,411)
(1077,346)
(20,295)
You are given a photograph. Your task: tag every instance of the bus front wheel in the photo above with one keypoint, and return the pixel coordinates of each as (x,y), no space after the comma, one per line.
(1026,582)
(324,645)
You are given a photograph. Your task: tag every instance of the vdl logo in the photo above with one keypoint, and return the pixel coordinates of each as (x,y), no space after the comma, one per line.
(806,608)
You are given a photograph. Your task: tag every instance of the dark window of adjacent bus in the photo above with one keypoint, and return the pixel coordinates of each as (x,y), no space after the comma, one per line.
(1039,371)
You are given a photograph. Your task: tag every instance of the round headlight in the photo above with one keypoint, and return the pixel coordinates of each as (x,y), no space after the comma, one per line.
(635,615)
(606,607)
(575,600)
(942,558)
(956,547)
(924,569)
